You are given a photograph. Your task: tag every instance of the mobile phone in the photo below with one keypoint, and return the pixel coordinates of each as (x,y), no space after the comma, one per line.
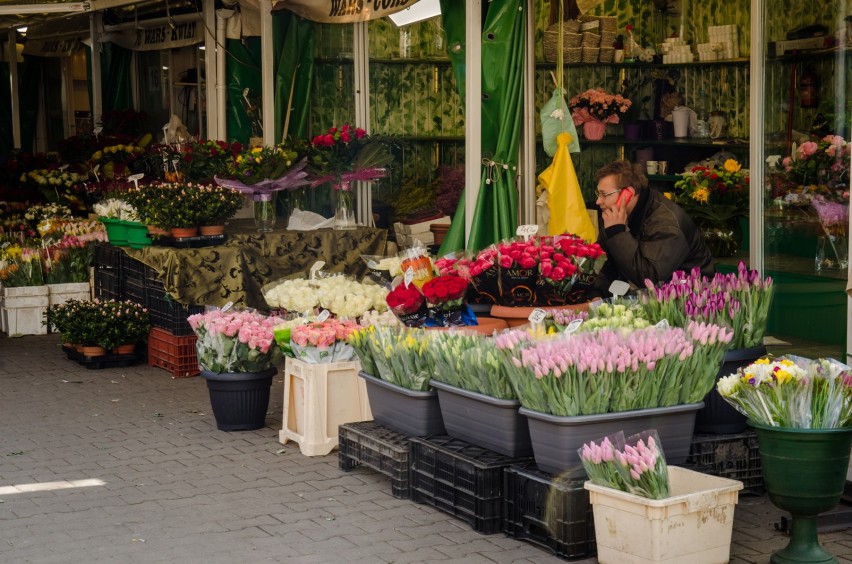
(625,195)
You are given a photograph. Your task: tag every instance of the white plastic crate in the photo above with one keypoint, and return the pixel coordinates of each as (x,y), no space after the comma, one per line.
(691,526)
(22,310)
(318,398)
(61,293)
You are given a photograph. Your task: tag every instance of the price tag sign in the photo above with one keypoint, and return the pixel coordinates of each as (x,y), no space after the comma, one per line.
(662,324)
(97,131)
(618,288)
(63,167)
(527,231)
(227,306)
(573,326)
(409,276)
(135,178)
(316,268)
(323,315)
(537,315)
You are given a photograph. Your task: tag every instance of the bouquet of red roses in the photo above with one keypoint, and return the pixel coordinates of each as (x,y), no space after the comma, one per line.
(483,272)
(567,269)
(408,304)
(445,297)
(518,271)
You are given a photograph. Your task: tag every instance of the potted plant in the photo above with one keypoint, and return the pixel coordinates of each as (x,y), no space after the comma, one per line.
(179,208)
(594,109)
(802,414)
(216,204)
(238,358)
(95,328)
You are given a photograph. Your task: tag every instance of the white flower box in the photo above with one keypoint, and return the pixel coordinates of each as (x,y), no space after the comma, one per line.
(22,310)
(61,293)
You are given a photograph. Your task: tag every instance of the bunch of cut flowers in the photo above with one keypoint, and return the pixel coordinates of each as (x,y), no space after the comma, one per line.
(471,362)
(607,371)
(20,265)
(235,340)
(815,167)
(445,299)
(567,269)
(346,154)
(635,465)
(714,196)
(408,304)
(339,294)
(483,272)
(401,357)
(738,300)
(618,315)
(68,251)
(792,392)
(322,342)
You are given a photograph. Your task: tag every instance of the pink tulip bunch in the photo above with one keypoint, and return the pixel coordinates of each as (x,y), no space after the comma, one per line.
(608,371)
(635,465)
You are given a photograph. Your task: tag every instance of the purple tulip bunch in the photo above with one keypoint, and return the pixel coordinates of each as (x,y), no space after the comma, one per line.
(738,300)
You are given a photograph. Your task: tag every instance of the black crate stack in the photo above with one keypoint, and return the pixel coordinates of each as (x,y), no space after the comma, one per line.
(734,456)
(387,452)
(108,276)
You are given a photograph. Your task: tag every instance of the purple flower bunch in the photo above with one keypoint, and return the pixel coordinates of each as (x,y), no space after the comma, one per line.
(738,300)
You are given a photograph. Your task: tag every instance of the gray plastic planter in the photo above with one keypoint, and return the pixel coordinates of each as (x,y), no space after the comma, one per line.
(409,412)
(555,439)
(484,421)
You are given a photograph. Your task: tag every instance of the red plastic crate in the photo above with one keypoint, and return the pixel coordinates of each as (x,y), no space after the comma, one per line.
(173,353)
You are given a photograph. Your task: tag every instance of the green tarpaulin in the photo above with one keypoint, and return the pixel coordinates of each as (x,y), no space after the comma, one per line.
(496,210)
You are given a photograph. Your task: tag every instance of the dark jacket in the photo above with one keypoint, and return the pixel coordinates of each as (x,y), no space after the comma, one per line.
(659,239)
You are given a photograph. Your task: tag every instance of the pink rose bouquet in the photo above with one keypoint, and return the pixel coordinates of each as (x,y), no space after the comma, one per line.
(323,341)
(235,341)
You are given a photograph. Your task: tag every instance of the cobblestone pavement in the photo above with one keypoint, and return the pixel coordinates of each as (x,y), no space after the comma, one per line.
(177,490)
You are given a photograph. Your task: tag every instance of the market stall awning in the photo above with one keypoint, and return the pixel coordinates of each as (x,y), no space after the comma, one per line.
(343,11)
(57,38)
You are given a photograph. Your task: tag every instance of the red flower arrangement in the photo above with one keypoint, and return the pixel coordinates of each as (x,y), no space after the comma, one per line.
(347,154)
(445,292)
(448,265)
(518,254)
(404,299)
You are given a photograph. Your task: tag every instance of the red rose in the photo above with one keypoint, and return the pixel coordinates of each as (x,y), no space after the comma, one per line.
(402,300)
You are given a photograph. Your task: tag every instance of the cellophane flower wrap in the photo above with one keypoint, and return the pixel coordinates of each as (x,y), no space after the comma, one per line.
(445,298)
(483,271)
(518,260)
(408,304)
(471,362)
(235,341)
(323,342)
(635,465)
(401,357)
(792,392)
(340,295)
(615,370)
(738,300)
(567,269)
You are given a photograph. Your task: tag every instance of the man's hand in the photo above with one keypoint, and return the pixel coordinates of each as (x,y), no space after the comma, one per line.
(616,215)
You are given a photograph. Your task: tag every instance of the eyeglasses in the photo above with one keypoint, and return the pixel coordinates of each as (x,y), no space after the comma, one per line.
(604,195)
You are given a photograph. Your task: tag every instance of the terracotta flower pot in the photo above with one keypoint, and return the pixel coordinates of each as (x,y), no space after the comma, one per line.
(92,351)
(183,232)
(212,229)
(128,348)
(154,230)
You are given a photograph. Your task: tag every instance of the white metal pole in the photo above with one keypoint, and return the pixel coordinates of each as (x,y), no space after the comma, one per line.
(221,86)
(95,29)
(473,110)
(12,55)
(757,135)
(527,182)
(361,51)
(267,87)
(210,54)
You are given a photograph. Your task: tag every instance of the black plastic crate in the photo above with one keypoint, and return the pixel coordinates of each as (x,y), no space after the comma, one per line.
(132,269)
(108,284)
(107,256)
(734,456)
(167,313)
(549,511)
(134,290)
(460,479)
(101,362)
(385,451)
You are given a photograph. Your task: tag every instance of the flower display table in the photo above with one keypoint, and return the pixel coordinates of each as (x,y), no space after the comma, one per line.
(237,270)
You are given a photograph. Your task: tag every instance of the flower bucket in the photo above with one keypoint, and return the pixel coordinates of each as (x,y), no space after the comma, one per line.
(239,400)
(555,439)
(483,420)
(693,524)
(137,235)
(116,231)
(413,413)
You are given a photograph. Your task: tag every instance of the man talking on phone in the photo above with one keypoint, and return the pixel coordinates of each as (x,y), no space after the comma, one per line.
(645,235)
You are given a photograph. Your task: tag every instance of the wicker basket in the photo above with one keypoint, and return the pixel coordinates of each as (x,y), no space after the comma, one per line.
(591,39)
(608,24)
(551,43)
(573,54)
(607,39)
(606,54)
(590,54)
